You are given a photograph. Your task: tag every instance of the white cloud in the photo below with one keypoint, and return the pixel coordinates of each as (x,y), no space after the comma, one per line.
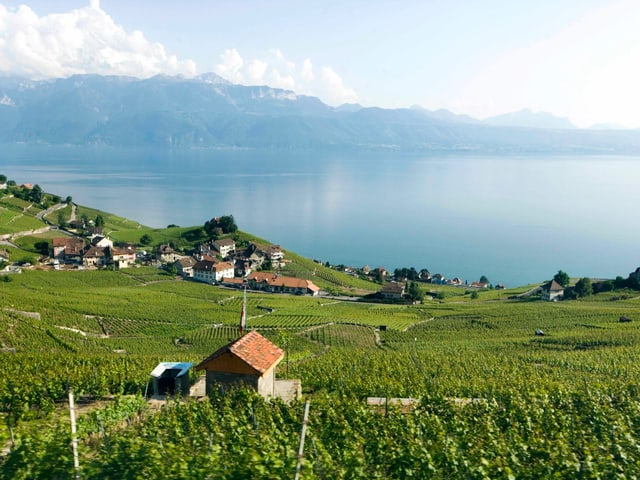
(335,90)
(231,66)
(256,71)
(307,70)
(276,71)
(85,40)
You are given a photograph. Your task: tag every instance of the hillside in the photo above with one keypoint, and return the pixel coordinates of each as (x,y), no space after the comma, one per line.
(486,394)
(208,112)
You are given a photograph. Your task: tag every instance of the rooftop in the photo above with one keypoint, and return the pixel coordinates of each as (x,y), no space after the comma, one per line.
(253,349)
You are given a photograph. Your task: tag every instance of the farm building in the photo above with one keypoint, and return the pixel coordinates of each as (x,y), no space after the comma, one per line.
(250,360)
(552,291)
(171,378)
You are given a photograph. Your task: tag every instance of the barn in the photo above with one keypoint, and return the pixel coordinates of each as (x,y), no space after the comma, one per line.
(250,360)
(171,378)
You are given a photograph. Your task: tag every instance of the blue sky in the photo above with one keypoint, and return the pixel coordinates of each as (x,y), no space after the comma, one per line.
(577,59)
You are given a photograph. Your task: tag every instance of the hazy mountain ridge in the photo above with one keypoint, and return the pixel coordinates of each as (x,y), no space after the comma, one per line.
(208,111)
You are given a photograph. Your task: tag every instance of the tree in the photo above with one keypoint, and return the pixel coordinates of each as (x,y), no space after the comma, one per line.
(562,278)
(42,247)
(414,292)
(37,194)
(145,239)
(69,199)
(226,223)
(3,179)
(484,279)
(583,287)
(99,221)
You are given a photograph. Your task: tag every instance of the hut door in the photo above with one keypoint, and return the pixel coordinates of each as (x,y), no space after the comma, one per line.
(166,385)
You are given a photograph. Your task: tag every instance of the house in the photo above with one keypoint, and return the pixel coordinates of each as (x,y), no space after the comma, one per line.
(243,267)
(76,224)
(68,249)
(212,271)
(270,282)
(250,360)
(424,275)
(166,254)
(552,291)
(184,266)
(225,247)
(392,291)
(438,279)
(122,257)
(100,241)
(276,255)
(171,378)
(479,285)
(95,257)
(272,252)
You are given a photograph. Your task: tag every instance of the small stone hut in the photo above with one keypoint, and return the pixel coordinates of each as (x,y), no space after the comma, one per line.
(250,360)
(171,378)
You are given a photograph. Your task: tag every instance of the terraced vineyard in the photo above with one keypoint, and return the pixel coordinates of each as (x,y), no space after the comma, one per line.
(494,400)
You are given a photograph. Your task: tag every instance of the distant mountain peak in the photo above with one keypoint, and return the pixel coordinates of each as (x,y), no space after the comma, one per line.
(349,107)
(213,78)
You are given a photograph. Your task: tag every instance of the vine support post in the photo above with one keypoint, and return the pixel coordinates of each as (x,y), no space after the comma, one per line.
(74,436)
(303,432)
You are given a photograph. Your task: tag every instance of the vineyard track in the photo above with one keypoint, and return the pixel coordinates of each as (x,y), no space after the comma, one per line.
(405,329)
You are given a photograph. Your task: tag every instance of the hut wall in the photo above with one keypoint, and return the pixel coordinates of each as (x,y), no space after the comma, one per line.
(227,380)
(266,383)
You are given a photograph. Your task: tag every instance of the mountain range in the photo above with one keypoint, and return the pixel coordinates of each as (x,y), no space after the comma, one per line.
(210,112)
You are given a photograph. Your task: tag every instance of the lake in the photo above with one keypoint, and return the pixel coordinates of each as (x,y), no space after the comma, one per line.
(515,219)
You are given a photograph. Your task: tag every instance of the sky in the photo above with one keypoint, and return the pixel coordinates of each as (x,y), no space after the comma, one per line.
(578,59)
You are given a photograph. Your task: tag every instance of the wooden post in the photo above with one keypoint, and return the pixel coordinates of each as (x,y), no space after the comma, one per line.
(303,432)
(74,437)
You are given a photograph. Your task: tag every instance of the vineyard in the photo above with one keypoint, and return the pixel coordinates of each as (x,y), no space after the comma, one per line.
(492,399)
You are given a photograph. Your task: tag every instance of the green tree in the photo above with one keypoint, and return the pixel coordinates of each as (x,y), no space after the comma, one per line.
(42,247)
(69,199)
(145,239)
(99,221)
(414,292)
(583,287)
(62,221)
(562,278)
(37,194)
(3,179)
(226,223)
(484,279)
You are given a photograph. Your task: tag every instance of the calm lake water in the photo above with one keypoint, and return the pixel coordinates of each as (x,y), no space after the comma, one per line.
(515,219)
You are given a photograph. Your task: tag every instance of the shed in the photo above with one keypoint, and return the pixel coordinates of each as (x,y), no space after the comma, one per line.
(171,378)
(250,360)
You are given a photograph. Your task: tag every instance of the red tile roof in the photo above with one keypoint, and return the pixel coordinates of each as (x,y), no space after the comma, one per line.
(279,281)
(253,349)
